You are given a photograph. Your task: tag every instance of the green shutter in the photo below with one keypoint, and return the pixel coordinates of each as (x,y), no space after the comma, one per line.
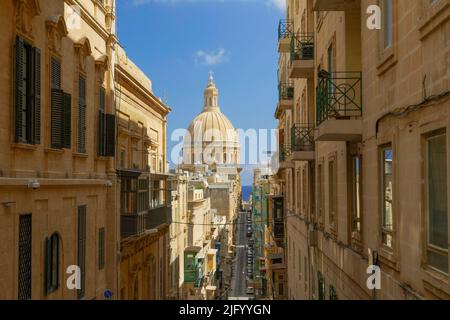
(110,135)
(37,96)
(67,121)
(57,107)
(20,91)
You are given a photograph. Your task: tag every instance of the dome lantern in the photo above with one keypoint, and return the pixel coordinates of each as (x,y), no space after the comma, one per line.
(211,95)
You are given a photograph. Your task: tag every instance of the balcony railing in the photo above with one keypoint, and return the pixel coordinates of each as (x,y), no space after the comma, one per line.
(133,224)
(285,152)
(339,95)
(302,46)
(286,90)
(285,28)
(158,216)
(302,136)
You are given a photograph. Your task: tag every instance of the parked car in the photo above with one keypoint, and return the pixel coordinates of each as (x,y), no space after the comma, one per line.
(250,291)
(249,234)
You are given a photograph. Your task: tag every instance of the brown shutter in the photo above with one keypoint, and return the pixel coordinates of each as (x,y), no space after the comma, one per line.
(56,118)
(110,135)
(20,91)
(67,121)
(37,96)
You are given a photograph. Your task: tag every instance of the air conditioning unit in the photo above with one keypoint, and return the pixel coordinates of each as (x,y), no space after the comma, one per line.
(313,234)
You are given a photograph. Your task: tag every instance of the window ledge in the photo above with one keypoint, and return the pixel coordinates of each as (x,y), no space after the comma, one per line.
(386,61)
(101,158)
(80,155)
(436,283)
(54,151)
(433,17)
(388,257)
(23,146)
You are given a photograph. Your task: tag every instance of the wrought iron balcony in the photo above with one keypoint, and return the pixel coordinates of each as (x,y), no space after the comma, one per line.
(302,136)
(285,32)
(302,55)
(339,97)
(286,90)
(132,224)
(285,152)
(303,144)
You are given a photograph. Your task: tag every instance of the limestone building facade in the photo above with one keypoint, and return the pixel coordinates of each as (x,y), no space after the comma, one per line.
(363,117)
(58,190)
(145,197)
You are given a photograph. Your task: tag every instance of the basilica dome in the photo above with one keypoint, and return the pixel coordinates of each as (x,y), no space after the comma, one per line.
(211,137)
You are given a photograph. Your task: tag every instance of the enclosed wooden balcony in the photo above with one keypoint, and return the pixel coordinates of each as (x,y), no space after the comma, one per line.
(335,5)
(132,224)
(285,32)
(339,106)
(302,56)
(303,144)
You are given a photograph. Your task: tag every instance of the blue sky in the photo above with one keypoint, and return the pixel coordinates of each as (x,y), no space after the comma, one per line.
(177,42)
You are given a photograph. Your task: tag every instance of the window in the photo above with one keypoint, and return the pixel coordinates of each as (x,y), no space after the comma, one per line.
(101,248)
(128,195)
(387,195)
(280,285)
(356,195)
(437,202)
(101,122)
(81,114)
(321,286)
(52,263)
(333,294)
(24,265)
(61,104)
(27,93)
(387,23)
(332,193)
(320,193)
(81,249)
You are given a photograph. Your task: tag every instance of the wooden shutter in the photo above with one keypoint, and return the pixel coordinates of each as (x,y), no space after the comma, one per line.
(110,135)
(101,248)
(56,118)
(81,254)
(56,74)
(37,96)
(20,91)
(67,121)
(82,115)
(25,254)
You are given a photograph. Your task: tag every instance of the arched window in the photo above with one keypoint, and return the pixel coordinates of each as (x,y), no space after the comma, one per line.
(52,258)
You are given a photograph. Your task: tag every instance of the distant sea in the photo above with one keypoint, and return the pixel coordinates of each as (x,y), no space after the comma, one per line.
(246,192)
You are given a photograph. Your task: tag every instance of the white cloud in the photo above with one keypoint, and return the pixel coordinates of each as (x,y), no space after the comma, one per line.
(280,4)
(211,58)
